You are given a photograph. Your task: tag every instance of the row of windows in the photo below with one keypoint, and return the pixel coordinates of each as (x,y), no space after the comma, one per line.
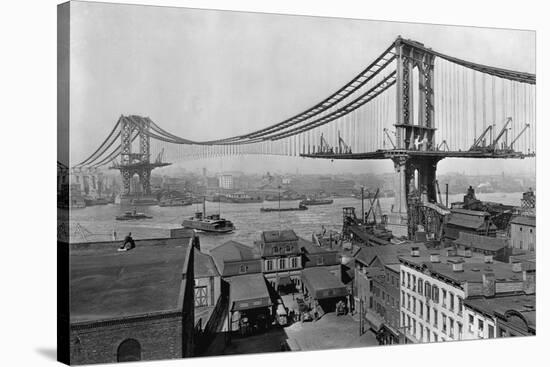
(447,328)
(429,314)
(480,327)
(282,263)
(277,249)
(431,292)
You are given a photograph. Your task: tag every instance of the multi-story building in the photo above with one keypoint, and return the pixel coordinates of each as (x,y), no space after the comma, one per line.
(434,287)
(523,233)
(470,221)
(377,288)
(233,258)
(225,181)
(281,257)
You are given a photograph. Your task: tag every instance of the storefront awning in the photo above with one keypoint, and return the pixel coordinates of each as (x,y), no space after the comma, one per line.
(284,280)
(248,292)
(322,284)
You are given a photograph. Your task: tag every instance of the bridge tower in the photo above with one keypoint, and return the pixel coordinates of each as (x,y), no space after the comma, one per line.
(135,163)
(415,167)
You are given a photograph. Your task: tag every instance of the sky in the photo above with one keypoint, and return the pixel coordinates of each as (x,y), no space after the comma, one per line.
(205,74)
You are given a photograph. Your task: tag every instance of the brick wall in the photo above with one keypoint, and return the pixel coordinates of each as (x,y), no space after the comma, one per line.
(160,337)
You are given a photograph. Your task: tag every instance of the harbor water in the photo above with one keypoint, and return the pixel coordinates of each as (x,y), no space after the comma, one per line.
(97,223)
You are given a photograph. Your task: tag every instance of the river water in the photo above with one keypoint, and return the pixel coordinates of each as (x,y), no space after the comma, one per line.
(97,223)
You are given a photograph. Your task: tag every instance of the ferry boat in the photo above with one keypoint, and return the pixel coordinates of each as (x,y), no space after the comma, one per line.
(133,215)
(236,198)
(308,202)
(208,223)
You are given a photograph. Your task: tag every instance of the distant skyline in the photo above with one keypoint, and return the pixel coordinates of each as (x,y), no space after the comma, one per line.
(206,74)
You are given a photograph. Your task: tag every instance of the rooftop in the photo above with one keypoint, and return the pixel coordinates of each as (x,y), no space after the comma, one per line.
(107,284)
(204,265)
(522,305)
(481,242)
(388,254)
(279,236)
(525,220)
(311,248)
(233,251)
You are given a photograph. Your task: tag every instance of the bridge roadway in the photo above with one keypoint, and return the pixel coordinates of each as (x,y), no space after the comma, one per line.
(396,153)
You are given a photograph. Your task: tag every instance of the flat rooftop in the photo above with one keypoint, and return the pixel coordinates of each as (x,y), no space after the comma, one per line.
(108,284)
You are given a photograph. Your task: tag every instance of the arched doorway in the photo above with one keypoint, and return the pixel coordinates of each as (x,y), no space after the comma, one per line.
(128,351)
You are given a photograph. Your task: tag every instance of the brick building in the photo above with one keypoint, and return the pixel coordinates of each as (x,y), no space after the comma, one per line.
(523,234)
(134,305)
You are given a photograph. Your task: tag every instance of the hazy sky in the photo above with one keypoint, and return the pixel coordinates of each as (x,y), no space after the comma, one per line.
(204,74)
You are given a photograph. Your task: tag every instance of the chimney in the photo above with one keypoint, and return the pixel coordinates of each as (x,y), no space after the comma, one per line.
(488,284)
(467,252)
(434,257)
(516,267)
(415,252)
(529,282)
(451,251)
(488,259)
(457,265)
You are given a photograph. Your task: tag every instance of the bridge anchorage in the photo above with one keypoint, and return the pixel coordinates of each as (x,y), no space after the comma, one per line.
(412,105)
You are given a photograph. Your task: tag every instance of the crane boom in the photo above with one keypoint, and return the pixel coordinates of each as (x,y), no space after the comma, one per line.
(504,129)
(519,135)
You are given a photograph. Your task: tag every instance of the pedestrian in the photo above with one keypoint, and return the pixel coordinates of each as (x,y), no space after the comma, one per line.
(128,240)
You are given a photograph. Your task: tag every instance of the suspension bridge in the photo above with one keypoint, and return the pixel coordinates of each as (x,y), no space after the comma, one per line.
(413,105)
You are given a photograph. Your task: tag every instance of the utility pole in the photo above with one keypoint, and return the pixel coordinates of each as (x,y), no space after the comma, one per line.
(362,205)
(447,195)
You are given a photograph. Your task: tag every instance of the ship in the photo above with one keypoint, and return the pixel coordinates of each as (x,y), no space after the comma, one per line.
(236,198)
(300,207)
(308,202)
(208,223)
(175,202)
(133,215)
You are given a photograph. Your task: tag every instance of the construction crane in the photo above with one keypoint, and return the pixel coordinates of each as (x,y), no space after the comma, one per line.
(494,144)
(479,143)
(443,145)
(386,132)
(342,146)
(372,203)
(519,135)
(160,156)
(324,147)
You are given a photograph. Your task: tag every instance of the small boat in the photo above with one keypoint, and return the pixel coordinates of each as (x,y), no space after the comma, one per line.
(308,202)
(300,207)
(133,215)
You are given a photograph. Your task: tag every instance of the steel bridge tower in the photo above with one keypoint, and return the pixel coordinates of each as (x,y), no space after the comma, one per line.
(135,163)
(414,166)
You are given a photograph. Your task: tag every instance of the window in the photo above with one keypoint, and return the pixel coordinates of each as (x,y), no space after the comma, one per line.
(275,250)
(414,327)
(414,283)
(435,337)
(491,330)
(427,334)
(408,302)
(420,286)
(444,323)
(282,264)
(427,313)
(288,248)
(444,298)
(470,323)
(435,317)
(435,294)
(460,302)
(269,265)
(480,326)
(294,262)
(402,278)
(403,318)
(414,305)
(408,322)
(451,302)
(320,260)
(243,269)
(402,297)
(421,309)
(451,327)
(427,290)
(459,325)
(408,280)
(421,329)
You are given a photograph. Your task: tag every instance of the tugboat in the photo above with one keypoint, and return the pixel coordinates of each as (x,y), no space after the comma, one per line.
(208,223)
(133,215)
(308,202)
